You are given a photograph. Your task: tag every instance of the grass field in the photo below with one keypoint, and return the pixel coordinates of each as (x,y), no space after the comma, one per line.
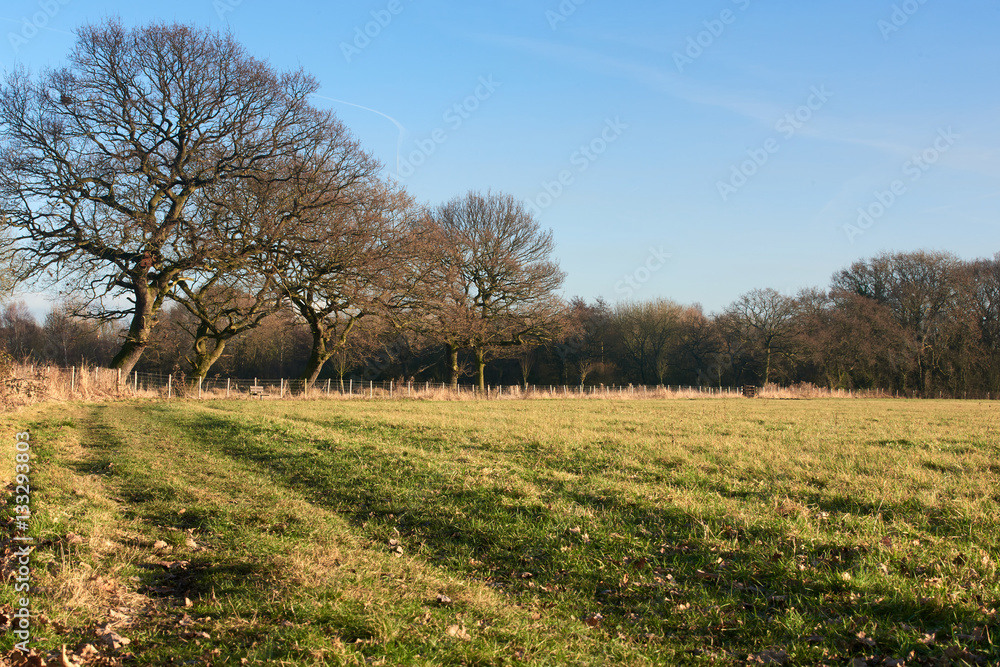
(539,532)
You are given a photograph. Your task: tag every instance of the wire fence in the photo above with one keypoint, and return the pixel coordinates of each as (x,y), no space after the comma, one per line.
(89,382)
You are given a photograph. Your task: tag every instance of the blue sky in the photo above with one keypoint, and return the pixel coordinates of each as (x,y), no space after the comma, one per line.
(741,138)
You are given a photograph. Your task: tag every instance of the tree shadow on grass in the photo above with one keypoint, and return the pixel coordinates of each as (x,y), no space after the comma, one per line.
(650,571)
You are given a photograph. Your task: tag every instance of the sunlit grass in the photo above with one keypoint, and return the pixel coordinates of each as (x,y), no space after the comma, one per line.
(563,532)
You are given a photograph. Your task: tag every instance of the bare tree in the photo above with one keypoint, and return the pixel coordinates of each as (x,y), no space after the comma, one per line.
(225,306)
(765,320)
(920,289)
(980,293)
(527,355)
(353,259)
(645,332)
(101,162)
(497,277)
(253,225)
(19,332)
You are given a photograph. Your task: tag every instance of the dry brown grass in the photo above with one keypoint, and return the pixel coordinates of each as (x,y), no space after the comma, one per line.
(31,384)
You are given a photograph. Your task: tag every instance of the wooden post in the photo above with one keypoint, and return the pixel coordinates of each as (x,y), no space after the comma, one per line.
(371,389)
(135,384)
(229,384)
(199,387)
(351,388)
(72,382)
(390,388)
(281,391)
(328,386)
(118,385)
(170,383)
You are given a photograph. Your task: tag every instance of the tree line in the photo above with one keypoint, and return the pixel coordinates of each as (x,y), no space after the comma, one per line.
(204,217)
(922,323)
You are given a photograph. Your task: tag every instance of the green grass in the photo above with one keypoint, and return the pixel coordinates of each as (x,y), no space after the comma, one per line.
(563,532)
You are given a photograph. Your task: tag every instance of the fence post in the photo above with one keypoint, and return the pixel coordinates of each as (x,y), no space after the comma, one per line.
(371,389)
(229,384)
(72,382)
(199,387)
(351,387)
(135,384)
(170,387)
(328,386)
(390,388)
(281,391)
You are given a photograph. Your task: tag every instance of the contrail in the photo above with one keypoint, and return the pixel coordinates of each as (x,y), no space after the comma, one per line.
(402,130)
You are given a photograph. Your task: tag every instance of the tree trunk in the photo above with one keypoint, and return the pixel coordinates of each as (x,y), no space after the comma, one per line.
(767,367)
(139,330)
(319,354)
(204,358)
(481,368)
(453,365)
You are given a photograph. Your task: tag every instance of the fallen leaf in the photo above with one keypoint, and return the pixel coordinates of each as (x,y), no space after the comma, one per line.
(867,641)
(115,640)
(443,599)
(594,621)
(769,657)
(159,545)
(458,633)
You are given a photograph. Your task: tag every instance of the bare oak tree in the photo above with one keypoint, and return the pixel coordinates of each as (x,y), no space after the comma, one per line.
(352,259)
(765,321)
(101,162)
(497,278)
